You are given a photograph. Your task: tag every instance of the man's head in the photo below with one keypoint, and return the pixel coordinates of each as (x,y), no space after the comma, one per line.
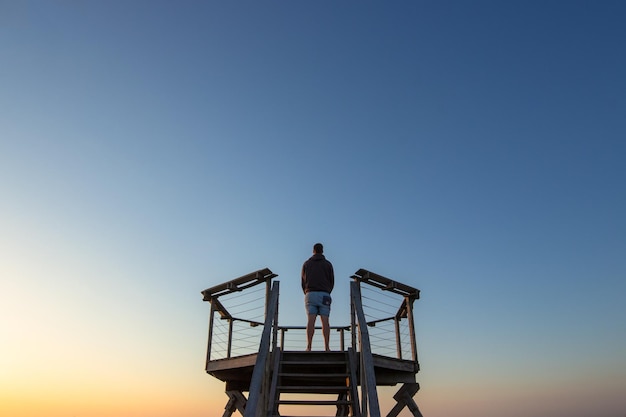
(318,248)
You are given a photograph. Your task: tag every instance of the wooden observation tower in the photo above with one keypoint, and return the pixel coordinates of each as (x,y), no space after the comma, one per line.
(251,352)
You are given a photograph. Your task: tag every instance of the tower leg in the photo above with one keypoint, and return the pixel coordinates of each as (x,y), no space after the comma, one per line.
(404,398)
(342,410)
(236,401)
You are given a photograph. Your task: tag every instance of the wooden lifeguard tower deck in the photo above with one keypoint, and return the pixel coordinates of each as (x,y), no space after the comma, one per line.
(250,351)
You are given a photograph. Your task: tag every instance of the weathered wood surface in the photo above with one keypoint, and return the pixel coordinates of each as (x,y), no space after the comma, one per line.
(385,283)
(404,398)
(236,402)
(354,394)
(258,387)
(238,370)
(367,361)
(238,284)
(231,363)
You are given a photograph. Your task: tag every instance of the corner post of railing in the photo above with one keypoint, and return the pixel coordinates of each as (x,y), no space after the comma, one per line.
(355,294)
(210,341)
(268,294)
(342,345)
(396,321)
(353,287)
(230,337)
(409,308)
(275,321)
(282,338)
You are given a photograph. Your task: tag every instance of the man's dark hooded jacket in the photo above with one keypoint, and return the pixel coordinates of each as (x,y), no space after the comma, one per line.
(317,274)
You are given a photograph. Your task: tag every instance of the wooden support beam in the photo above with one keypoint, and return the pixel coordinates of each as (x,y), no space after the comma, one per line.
(273,395)
(404,398)
(236,402)
(258,381)
(219,308)
(353,363)
(368,376)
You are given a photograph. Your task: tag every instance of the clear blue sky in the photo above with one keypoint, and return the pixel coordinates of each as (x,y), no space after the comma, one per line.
(475,150)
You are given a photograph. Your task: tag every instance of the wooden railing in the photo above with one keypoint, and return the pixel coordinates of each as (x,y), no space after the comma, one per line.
(285,344)
(360,334)
(235,331)
(259,384)
(247,324)
(399,315)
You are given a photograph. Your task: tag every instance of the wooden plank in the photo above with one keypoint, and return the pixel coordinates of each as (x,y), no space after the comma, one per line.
(404,398)
(239,284)
(326,364)
(236,401)
(219,307)
(313,389)
(412,329)
(256,382)
(354,393)
(231,363)
(274,395)
(314,402)
(387,362)
(385,283)
(366,353)
(308,375)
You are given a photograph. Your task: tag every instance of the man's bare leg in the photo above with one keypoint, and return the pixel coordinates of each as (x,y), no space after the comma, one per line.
(310,330)
(326,332)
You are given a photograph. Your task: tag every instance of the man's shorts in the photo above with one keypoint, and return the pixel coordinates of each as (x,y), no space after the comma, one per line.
(318,303)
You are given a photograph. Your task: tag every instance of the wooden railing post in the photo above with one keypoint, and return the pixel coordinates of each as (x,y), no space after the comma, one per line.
(268,291)
(258,394)
(353,318)
(275,325)
(230,337)
(282,338)
(396,321)
(367,377)
(210,341)
(342,345)
(409,309)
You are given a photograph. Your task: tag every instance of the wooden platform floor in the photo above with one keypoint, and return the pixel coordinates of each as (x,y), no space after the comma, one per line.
(237,372)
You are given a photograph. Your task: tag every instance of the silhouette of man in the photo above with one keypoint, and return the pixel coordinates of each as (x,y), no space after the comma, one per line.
(318,281)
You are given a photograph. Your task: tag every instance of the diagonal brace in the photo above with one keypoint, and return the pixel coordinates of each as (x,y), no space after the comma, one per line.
(236,401)
(404,398)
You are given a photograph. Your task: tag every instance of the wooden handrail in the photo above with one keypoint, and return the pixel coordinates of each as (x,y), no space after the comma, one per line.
(239,284)
(385,283)
(256,404)
(368,377)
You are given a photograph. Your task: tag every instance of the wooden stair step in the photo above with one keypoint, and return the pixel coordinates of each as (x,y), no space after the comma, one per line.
(314,375)
(313,389)
(282,415)
(313,363)
(315,402)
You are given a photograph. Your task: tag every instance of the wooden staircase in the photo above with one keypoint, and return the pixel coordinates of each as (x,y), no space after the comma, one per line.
(312,380)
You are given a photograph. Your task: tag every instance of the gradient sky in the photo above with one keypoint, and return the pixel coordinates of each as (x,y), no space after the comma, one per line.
(150,150)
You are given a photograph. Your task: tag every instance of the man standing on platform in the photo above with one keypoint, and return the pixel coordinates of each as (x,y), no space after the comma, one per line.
(318,281)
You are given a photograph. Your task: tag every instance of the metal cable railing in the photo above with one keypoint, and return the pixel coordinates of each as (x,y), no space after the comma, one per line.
(237,317)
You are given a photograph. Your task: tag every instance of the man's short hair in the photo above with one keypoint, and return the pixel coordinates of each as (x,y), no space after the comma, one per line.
(318,248)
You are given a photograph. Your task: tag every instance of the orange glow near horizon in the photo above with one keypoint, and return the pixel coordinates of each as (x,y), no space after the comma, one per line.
(135,399)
